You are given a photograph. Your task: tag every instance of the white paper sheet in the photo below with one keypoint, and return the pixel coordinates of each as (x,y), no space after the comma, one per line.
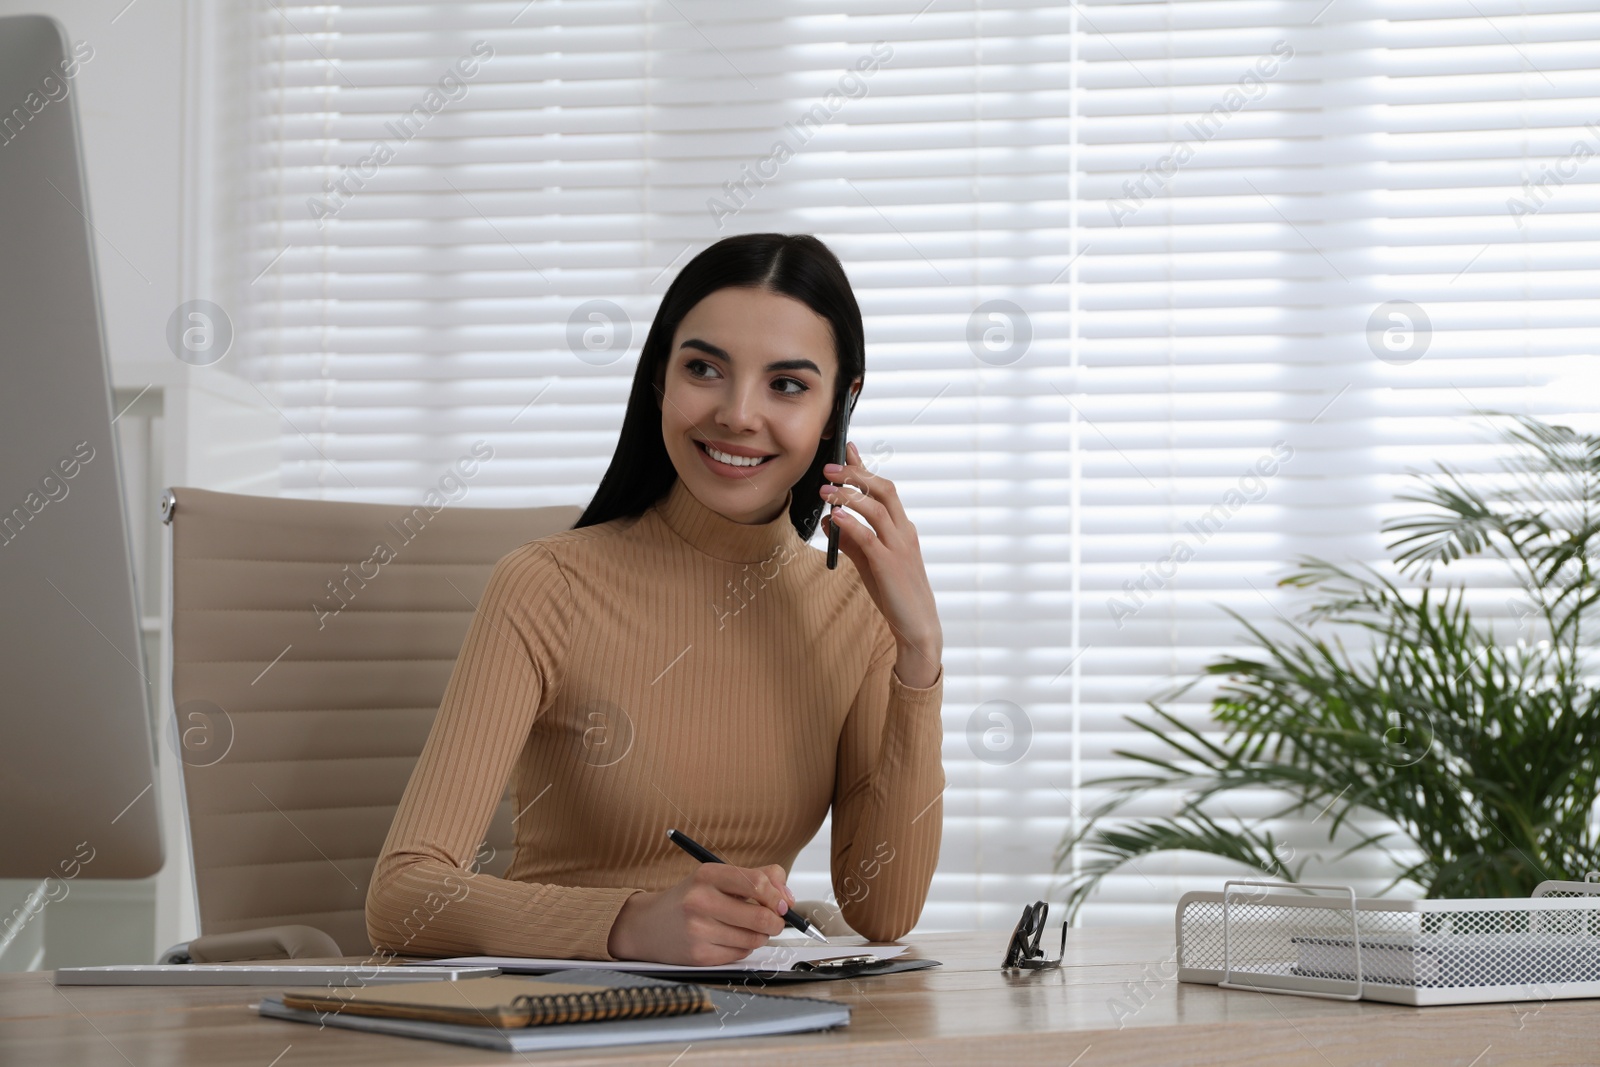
(766,958)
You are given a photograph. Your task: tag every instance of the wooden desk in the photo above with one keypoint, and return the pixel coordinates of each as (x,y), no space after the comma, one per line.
(1112,1003)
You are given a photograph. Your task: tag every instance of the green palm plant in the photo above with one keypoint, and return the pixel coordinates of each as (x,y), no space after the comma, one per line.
(1479,746)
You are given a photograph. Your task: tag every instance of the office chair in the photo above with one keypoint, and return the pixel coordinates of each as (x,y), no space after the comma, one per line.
(307,666)
(311,644)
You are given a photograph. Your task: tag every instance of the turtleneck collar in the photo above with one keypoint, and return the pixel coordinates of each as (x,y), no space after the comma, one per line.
(719,536)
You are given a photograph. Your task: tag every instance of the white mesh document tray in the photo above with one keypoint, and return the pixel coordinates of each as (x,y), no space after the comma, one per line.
(1278,937)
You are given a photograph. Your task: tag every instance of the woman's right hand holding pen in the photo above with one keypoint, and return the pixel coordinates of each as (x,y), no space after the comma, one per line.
(717,915)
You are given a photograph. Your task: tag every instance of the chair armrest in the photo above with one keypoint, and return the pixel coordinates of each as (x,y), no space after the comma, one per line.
(266,943)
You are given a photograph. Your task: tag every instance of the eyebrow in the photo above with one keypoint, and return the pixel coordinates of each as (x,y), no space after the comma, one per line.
(778,364)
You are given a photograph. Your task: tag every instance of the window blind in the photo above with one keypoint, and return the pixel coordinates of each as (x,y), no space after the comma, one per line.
(1303,276)
(1135,276)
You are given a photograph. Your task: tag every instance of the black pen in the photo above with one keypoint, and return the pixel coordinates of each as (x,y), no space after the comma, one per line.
(705,855)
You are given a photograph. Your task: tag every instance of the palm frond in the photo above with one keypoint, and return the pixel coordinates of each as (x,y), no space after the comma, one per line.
(1194,831)
(1395,701)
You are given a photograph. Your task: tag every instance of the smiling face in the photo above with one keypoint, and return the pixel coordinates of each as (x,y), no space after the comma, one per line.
(750,376)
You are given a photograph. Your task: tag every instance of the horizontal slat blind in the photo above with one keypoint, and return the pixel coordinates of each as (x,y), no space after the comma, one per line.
(418,263)
(1257,182)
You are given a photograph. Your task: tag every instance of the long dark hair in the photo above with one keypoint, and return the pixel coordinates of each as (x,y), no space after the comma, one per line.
(795,265)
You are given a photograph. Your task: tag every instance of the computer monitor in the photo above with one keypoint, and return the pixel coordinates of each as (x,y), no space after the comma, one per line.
(77,756)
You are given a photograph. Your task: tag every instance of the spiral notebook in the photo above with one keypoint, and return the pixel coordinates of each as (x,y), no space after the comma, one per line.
(507,1001)
(735,1013)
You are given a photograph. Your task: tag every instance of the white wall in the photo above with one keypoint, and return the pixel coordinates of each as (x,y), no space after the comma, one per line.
(130,110)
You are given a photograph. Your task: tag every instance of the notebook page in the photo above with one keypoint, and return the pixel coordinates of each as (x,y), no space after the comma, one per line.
(766,958)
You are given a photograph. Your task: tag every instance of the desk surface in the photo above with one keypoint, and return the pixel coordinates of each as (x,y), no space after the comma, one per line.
(1113,1002)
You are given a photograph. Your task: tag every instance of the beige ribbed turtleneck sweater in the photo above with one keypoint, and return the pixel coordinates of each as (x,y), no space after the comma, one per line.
(673,669)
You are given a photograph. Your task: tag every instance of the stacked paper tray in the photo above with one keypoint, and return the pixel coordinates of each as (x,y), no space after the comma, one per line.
(1453,960)
(1290,938)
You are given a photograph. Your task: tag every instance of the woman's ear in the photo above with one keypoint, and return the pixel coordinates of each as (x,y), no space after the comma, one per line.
(855,393)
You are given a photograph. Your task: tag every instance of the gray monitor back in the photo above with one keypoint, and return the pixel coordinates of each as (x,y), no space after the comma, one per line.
(77,758)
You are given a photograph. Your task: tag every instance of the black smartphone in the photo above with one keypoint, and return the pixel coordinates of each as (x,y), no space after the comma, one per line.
(841,437)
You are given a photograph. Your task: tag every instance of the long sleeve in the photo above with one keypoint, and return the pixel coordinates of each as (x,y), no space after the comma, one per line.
(424,899)
(888,806)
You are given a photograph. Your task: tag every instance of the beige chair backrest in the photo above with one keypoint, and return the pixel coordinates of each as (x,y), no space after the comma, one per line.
(311,644)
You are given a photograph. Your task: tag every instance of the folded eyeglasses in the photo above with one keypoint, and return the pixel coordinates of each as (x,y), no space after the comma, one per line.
(1024,949)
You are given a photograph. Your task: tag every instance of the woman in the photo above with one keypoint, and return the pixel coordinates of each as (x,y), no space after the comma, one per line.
(682,657)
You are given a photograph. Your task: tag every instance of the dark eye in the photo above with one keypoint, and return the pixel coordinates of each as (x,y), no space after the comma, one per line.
(690,364)
(801,387)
